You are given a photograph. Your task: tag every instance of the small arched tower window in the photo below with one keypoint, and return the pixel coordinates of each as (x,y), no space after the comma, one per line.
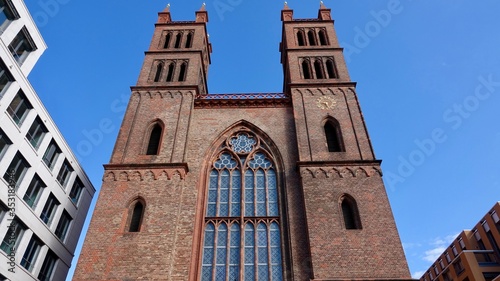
(312,38)
(136,217)
(330,69)
(182,72)
(159,68)
(154,140)
(318,68)
(178,40)
(170,73)
(189,40)
(306,69)
(333,136)
(301,38)
(168,38)
(323,41)
(350,213)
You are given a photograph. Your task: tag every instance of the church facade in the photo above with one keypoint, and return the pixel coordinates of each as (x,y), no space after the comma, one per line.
(277,186)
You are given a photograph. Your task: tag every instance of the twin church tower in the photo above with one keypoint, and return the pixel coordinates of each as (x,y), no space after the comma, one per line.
(281,186)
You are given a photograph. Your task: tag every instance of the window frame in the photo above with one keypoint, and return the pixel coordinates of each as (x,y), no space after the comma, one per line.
(10,16)
(17,161)
(35,189)
(23,105)
(51,154)
(19,225)
(5,76)
(63,225)
(49,209)
(64,173)
(24,45)
(5,142)
(48,265)
(36,132)
(76,191)
(31,253)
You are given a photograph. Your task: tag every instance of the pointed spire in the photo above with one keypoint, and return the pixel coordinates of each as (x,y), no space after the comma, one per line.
(324,13)
(286,13)
(202,14)
(164,17)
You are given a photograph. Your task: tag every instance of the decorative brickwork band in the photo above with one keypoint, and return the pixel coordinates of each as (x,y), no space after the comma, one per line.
(148,172)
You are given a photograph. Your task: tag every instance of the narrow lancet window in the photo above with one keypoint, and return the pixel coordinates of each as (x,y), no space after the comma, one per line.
(306,69)
(168,38)
(318,68)
(170,73)
(312,38)
(178,40)
(323,41)
(154,140)
(330,69)
(136,219)
(333,137)
(300,38)
(182,72)
(159,68)
(189,40)
(350,213)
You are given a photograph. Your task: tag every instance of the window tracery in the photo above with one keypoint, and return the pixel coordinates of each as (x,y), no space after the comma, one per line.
(242,239)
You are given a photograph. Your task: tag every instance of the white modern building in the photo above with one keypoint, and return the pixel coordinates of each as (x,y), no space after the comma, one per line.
(44,193)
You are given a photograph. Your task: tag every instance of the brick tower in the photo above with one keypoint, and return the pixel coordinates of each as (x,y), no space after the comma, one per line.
(260,186)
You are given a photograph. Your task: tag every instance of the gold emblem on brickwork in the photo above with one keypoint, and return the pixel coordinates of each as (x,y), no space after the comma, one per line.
(325,102)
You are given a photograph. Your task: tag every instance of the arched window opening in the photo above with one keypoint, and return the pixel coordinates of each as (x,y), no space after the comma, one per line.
(168,38)
(350,213)
(242,221)
(306,70)
(323,41)
(333,137)
(178,40)
(300,38)
(154,140)
(159,68)
(318,68)
(330,69)
(182,72)
(312,38)
(189,40)
(136,219)
(170,73)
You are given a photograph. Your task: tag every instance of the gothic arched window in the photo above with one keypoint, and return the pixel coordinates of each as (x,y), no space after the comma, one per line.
(242,239)
(154,140)
(330,69)
(306,69)
(178,40)
(312,37)
(159,68)
(333,136)
(350,212)
(189,40)
(168,38)
(318,68)
(170,72)
(301,38)
(136,217)
(322,38)
(182,72)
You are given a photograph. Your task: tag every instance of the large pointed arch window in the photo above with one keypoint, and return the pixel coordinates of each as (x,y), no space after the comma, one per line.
(242,239)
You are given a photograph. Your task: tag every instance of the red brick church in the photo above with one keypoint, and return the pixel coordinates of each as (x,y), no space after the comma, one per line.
(278,186)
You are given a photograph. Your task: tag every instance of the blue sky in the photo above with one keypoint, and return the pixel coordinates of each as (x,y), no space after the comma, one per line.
(428,76)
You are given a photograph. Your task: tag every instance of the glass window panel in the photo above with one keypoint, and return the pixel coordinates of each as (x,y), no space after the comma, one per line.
(236,193)
(49,209)
(221,253)
(16,170)
(212,194)
(249,252)
(47,266)
(272,193)
(13,236)
(234,255)
(21,46)
(249,194)
(31,253)
(64,173)
(36,132)
(5,76)
(63,225)
(4,143)
(76,190)
(224,194)
(208,252)
(261,193)
(34,191)
(19,107)
(51,154)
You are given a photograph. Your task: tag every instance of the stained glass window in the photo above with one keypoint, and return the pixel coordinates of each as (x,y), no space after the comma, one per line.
(242,239)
